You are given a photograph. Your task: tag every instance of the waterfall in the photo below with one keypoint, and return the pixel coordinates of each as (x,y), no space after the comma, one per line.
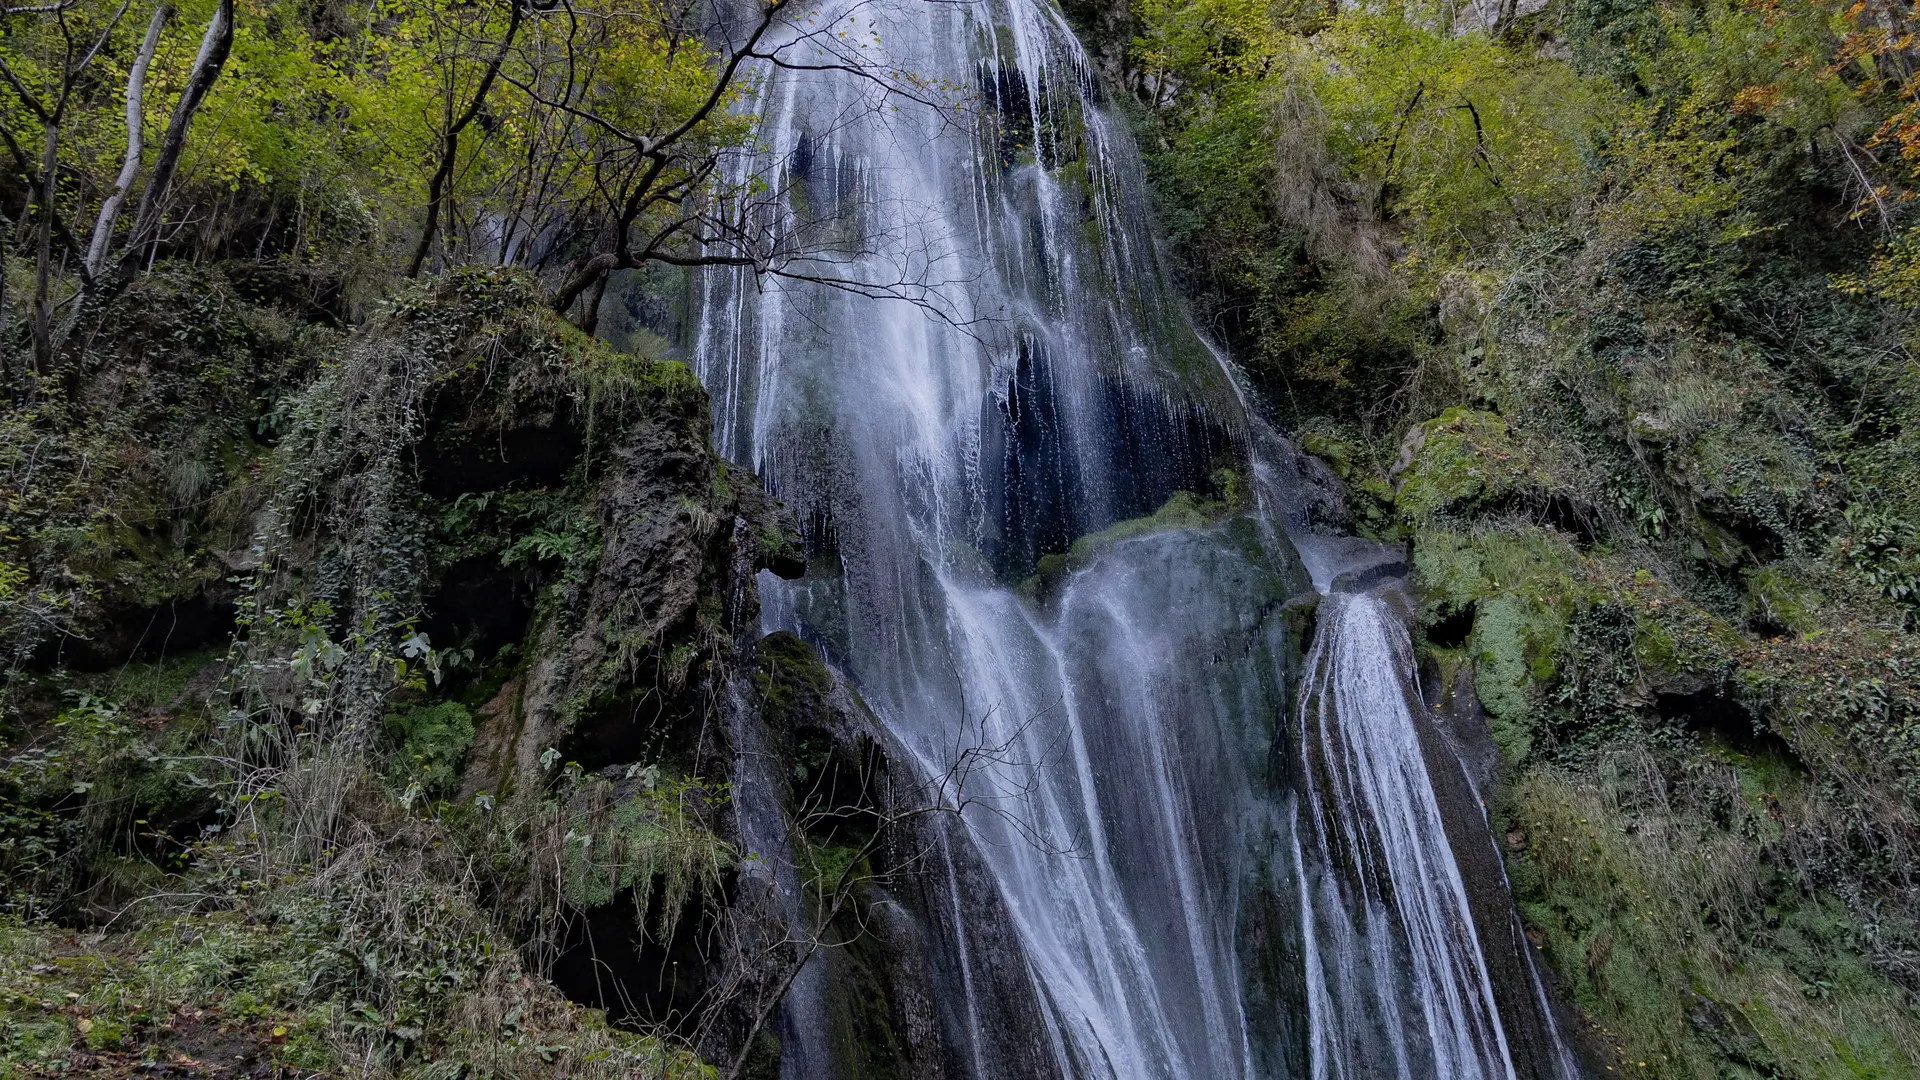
(974,420)
(1394,950)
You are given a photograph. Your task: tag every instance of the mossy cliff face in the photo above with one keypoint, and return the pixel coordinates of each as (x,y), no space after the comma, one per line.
(134,470)
(1600,308)
(1704,793)
(857,840)
(474,597)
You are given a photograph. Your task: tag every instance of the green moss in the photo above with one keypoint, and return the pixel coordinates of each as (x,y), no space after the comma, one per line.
(1512,645)
(1182,510)
(1775,598)
(1522,589)
(775,545)
(1674,638)
(1466,459)
(871,1034)
(1341,455)
(793,681)
(1370,496)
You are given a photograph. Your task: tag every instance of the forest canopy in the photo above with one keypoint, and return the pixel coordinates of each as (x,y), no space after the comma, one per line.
(1426,138)
(388,139)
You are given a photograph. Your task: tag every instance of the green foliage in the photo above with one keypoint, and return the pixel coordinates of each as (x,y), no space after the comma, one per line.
(325,127)
(1463,460)
(1640,880)
(1521,588)
(101,798)
(574,547)
(131,488)
(1455,134)
(221,453)
(432,742)
(652,843)
(308,984)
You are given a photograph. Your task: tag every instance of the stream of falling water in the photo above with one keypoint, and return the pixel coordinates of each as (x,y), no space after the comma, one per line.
(1372,993)
(1137,833)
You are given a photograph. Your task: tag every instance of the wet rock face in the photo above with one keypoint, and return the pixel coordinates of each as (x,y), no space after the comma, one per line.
(623,658)
(1033,481)
(841,795)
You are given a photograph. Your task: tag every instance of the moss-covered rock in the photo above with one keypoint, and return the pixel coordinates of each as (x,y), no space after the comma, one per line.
(491,587)
(135,474)
(1462,460)
(793,681)
(1522,592)
(1182,510)
(1370,493)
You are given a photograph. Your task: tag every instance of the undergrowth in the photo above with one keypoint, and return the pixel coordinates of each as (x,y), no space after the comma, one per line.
(266,849)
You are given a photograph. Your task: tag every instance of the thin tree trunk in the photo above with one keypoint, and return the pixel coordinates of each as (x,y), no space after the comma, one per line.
(6,327)
(43,248)
(130,167)
(590,318)
(450,143)
(214,47)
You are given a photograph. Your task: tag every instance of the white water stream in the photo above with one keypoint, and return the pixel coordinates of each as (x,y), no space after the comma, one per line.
(1136,821)
(1394,954)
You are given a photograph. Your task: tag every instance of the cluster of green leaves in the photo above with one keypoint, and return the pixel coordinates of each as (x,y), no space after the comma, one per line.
(381,956)
(97,801)
(647,839)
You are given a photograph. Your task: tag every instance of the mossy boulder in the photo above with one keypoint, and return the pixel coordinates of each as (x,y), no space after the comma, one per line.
(1460,461)
(1522,589)
(793,681)
(1182,510)
(1678,646)
(1370,495)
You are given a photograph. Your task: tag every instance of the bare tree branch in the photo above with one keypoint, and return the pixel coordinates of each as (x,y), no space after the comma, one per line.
(450,141)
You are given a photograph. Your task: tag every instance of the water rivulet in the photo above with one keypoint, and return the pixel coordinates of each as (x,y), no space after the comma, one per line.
(1049,540)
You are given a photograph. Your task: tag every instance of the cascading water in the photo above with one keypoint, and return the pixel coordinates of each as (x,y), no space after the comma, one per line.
(1135,829)
(1394,947)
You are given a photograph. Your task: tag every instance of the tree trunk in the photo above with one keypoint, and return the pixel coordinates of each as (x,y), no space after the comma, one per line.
(214,47)
(591,272)
(43,249)
(130,167)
